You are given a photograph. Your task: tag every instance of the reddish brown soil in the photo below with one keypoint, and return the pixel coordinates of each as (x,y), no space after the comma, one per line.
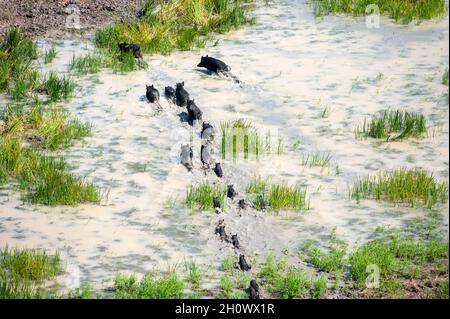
(48,17)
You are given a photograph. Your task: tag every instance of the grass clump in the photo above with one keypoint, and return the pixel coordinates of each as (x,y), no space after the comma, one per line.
(16,55)
(49,55)
(22,271)
(402,11)
(102,59)
(18,75)
(288,282)
(201,197)
(169,286)
(396,258)
(29,264)
(277,196)
(241,138)
(44,179)
(413,187)
(393,125)
(175,25)
(331,261)
(444,80)
(316,159)
(57,88)
(228,291)
(194,274)
(54,126)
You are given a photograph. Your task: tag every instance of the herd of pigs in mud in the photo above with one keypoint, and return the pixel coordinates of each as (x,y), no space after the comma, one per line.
(180,96)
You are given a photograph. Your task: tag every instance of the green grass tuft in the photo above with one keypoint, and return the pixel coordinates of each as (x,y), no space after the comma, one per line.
(49,55)
(201,197)
(396,258)
(29,264)
(445,77)
(102,59)
(393,125)
(175,25)
(316,159)
(402,11)
(22,272)
(278,196)
(42,178)
(169,286)
(242,138)
(413,187)
(45,179)
(289,281)
(57,88)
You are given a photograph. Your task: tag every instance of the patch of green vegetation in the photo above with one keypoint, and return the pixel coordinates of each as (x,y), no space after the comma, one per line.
(169,286)
(331,261)
(53,126)
(442,291)
(277,196)
(201,197)
(445,77)
(242,138)
(228,291)
(175,25)
(393,125)
(23,271)
(57,88)
(102,59)
(16,54)
(194,274)
(45,179)
(228,263)
(396,258)
(413,187)
(85,292)
(49,55)
(325,112)
(288,282)
(19,77)
(316,159)
(402,11)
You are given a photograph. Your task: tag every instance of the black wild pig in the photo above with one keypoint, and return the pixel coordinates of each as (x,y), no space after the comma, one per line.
(218,170)
(152,94)
(186,156)
(242,204)
(213,65)
(254,290)
(220,230)
(193,110)
(169,92)
(181,95)
(206,156)
(207,132)
(134,48)
(216,202)
(235,241)
(262,202)
(231,193)
(243,264)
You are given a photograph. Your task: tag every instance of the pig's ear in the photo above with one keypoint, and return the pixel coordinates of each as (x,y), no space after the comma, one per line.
(146,86)
(207,55)
(182,83)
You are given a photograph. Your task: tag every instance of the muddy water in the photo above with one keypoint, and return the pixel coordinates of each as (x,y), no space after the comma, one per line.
(292,67)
